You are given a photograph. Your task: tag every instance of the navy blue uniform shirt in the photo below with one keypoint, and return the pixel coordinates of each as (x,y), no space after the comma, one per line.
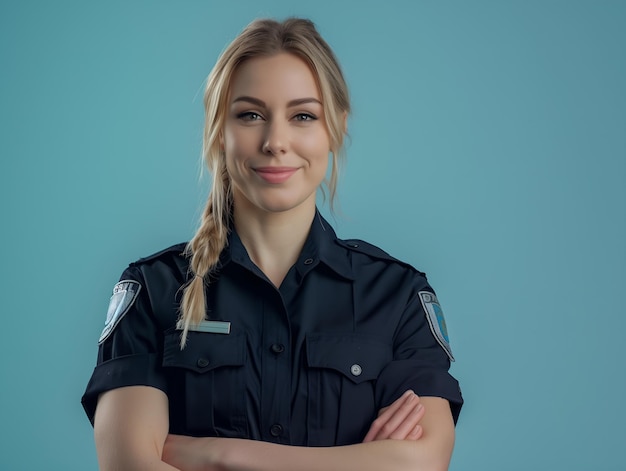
(309,363)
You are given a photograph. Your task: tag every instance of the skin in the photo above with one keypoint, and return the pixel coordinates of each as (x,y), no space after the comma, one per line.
(131,433)
(275,120)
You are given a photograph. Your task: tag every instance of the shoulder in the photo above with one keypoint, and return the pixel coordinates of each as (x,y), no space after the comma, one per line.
(170,261)
(367,251)
(173,252)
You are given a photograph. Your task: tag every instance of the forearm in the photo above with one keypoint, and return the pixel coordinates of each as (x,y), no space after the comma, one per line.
(430,452)
(390,455)
(126,462)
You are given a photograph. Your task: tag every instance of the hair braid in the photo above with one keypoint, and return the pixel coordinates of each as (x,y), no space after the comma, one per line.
(204,250)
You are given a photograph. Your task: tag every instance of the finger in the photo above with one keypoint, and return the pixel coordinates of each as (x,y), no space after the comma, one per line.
(408,425)
(389,422)
(399,418)
(416,433)
(384,414)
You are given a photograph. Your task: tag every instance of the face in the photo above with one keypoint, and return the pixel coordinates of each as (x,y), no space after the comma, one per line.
(275,137)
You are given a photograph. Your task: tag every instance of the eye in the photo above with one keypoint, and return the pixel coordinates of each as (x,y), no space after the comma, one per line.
(249,116)
(304,117)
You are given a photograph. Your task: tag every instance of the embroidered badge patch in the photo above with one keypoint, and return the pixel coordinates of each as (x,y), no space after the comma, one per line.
(437,323)
(124,295)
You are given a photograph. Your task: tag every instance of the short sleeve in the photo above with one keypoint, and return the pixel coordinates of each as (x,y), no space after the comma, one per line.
(420,362)
(128,352)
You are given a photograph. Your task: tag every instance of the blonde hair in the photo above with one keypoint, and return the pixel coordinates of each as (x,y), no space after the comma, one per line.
(261,38)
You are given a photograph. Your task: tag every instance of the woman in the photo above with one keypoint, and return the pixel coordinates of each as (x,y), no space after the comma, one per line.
(266,330)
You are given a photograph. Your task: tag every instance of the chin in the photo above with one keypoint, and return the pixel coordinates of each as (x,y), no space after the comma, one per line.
(273,200)
(281,205)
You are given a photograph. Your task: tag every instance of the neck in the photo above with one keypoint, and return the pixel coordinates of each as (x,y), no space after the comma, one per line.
(273,240)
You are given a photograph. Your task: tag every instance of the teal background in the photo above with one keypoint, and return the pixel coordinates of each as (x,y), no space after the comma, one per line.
(488,149)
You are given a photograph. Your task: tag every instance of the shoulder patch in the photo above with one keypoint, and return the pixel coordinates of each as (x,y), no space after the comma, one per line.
(124,295)
(436,321)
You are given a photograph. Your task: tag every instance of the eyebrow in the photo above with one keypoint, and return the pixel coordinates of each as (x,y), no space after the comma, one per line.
(261,103)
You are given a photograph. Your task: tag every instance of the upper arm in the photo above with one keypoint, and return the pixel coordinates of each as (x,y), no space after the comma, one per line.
(420,361)
(131,425)
(129,351)
(438,427)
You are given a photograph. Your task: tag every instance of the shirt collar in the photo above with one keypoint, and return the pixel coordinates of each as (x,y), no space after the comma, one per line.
(320,247)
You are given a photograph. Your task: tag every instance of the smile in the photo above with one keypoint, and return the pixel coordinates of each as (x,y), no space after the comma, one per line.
(275,174)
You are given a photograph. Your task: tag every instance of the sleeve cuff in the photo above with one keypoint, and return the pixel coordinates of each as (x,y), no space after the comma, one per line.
(130,370)
(402,375)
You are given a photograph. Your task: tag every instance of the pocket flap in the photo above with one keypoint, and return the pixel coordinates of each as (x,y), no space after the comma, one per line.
(204,351)
(358,357)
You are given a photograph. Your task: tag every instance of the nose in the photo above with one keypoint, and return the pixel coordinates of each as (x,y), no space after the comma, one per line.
(276,138)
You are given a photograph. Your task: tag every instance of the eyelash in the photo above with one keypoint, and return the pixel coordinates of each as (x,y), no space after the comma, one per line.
(252,116)
(247,115)
(308,116)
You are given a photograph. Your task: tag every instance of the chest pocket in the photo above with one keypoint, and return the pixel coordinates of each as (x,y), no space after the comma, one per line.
(207,383)
(342,373)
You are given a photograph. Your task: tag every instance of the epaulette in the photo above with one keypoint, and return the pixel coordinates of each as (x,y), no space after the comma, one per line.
(373,251)
(177,249)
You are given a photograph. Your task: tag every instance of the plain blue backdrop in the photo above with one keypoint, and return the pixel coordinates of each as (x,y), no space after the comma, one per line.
(488,148)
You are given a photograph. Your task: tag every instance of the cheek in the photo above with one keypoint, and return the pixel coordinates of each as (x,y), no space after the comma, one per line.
(317,145)
(237,146)
(241,138)
(229,139)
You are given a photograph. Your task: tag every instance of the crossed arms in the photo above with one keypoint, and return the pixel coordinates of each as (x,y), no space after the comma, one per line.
(131,433)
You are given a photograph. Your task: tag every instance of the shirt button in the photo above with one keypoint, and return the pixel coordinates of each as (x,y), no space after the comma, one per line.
(277,348)
(276,430)
(353,244)
(356,370)
(202,362)
(308,261)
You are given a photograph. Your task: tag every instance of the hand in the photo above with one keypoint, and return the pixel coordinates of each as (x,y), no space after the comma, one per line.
(191,453)
(399,421)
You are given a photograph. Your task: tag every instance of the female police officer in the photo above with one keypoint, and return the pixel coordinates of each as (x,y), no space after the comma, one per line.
(266,330)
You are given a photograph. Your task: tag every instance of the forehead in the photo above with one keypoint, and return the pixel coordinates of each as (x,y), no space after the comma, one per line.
(282,77)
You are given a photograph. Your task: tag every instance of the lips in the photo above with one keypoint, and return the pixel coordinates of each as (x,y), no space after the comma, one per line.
(275,174)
